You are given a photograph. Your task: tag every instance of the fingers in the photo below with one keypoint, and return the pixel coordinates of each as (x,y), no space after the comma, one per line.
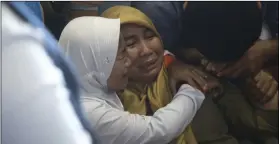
(261,83)
(258,76)
(219,67)
(212,85)
(273,89)
(208,65)
(227,71)
(204,62)
(213,67)
(271,92)
(264,89)
(192,83)
(233,70)
(264,81)
(210,68)
(267,85)
(200,80)
(208,82)
(199,72)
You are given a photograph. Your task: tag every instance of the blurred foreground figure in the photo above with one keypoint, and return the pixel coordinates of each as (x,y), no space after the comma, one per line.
(36,8)
(40,103)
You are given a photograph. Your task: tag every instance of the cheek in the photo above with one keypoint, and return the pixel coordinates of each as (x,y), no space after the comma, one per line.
(133,54)
(116,70)
(133,72)
(156,46)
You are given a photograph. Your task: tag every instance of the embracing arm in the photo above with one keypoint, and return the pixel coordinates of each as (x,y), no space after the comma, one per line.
(118,127)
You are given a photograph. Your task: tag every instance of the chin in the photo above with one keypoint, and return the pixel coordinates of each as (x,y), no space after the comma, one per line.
(151,76)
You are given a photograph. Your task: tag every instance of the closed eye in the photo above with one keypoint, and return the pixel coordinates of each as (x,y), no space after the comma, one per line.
(148,34)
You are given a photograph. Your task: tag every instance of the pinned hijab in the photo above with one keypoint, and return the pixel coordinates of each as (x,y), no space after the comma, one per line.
(130,15)
(91,43)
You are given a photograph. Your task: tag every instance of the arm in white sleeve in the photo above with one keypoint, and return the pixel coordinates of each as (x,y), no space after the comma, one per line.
(35,103)
(118,127)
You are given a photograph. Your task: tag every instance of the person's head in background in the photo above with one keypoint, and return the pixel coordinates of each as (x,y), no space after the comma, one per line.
(143,42)
(56,16)
(221,31)
(97,49)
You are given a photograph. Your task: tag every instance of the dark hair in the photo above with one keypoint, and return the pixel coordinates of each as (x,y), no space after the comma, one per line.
(56,16)
(221,31)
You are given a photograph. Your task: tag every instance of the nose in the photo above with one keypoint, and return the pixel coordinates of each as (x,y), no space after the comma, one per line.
(145,50)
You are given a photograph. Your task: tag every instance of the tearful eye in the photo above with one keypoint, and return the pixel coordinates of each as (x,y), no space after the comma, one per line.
(150,37)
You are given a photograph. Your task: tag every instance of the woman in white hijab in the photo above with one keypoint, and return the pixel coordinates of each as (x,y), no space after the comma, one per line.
(98,51)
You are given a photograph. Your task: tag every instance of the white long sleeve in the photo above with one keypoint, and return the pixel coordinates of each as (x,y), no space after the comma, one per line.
(115,126)
(36,107)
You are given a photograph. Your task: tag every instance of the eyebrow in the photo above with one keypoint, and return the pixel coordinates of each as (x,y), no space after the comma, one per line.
(132,36)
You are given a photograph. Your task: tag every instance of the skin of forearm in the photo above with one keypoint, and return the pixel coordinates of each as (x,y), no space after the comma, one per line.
(271,52)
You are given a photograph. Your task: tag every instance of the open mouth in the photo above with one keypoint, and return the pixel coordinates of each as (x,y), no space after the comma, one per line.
(149,64)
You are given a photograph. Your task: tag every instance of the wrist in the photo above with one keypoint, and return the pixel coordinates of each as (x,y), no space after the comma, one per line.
(174,68)
(271,49)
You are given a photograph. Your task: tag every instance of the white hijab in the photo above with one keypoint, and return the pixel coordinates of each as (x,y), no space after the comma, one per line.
(91,43)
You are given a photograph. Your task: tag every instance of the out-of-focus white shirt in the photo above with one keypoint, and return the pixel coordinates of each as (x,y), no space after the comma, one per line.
(36,108)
